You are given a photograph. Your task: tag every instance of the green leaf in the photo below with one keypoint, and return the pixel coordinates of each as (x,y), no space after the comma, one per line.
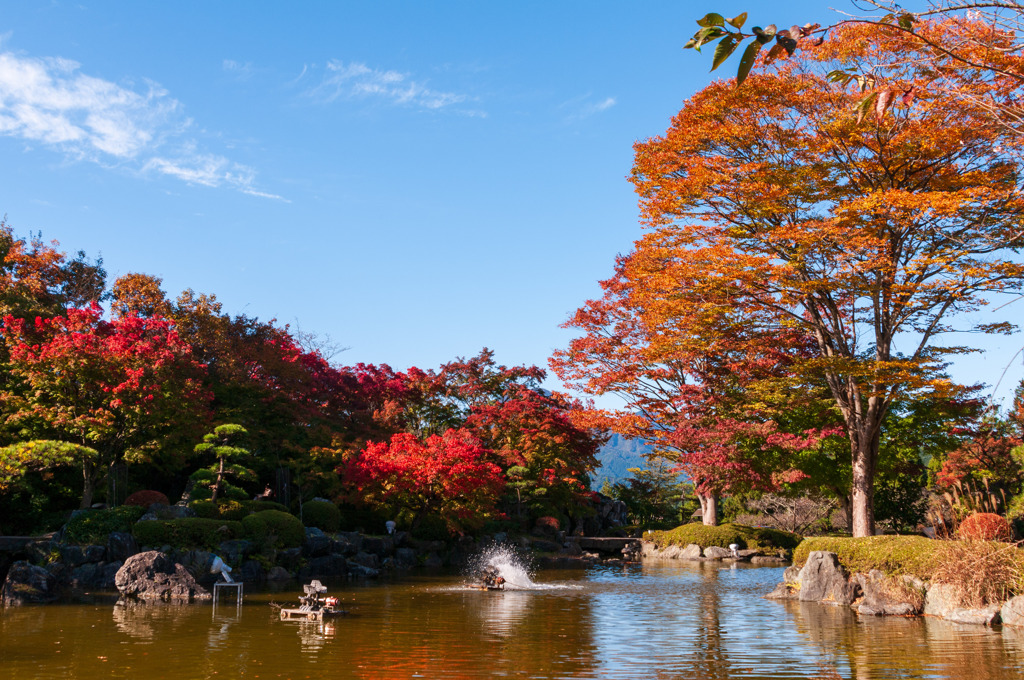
(711,19)
(706,35)
(906,21)
(724,49)
(738,21)
(747,61)
(764,35)
(838,76)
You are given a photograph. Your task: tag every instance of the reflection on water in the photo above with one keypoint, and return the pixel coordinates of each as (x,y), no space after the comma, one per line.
(658,620)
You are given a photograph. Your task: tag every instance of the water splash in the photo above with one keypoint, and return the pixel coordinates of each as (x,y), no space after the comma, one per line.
(511,564)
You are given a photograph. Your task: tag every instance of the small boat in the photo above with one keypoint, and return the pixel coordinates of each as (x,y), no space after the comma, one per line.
(314,606)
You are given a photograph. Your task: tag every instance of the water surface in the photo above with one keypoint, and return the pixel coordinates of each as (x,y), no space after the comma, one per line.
(659,620)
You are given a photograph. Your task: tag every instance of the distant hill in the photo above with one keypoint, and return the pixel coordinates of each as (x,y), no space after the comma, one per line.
(617,456)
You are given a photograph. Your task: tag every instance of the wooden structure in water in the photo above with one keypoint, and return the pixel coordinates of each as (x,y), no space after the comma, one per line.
(313,606)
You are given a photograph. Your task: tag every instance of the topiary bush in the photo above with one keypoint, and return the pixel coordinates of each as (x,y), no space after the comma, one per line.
(232,510)
(321,515)
(274,529)
(187,532)
(985,526)
(92,527)
(146,498)
(724,535)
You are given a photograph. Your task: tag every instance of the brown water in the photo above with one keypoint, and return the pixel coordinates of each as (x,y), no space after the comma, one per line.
(659,620)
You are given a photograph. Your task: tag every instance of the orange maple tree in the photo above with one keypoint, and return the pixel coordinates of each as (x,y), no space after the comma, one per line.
(870,235)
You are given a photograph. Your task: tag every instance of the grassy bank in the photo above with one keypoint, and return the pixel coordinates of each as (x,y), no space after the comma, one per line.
(756,538)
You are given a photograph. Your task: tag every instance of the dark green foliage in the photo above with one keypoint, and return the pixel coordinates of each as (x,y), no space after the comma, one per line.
(654,497)
(234,510)
(362,518)
(274,529)
(432,528)
(93,526)
(40,502)
(188,532)
(725,535)
(322,515)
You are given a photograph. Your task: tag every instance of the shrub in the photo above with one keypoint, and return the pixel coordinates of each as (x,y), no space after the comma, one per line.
(187,532)
(274,529)
(146,498)
(985,526)
(894,555)
(322,515)
(725,535)
(980,572)
(232,510)
(93,526)
(547,523)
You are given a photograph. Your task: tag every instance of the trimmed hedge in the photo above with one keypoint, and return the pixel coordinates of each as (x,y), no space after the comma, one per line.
(894,555)
(724,535)
(322,515)
(187,532)
(92,527)
(232,510)
(274,529)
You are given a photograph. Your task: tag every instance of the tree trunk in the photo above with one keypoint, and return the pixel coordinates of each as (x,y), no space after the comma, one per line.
(864,451)
(708,509)
(88,483)
(216,484)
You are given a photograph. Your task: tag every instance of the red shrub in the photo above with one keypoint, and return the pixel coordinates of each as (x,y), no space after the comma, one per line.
(548,523)
(985,526)
(146,498)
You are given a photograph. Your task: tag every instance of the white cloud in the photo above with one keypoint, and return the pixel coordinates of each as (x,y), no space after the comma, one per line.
(583,107)
(49,101)
(357,80)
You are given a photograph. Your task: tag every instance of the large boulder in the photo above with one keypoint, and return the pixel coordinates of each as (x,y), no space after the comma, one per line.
(77,555)
(823,579)
(889,597)
(1012,612)
(121,546)
(714,552)
(942,600)
(328,566)
(95,576)
(153,575)
(28,584)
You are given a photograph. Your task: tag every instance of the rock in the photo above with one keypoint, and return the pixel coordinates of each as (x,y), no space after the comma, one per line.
(28,584)
(344,546)
(572,548)
(332,565)
(95,576)
(77,555)
(542,545)
(783,591)
(364,572)
(883,597)
(940,600)
(251,571)
(1012,612)
(405,557)
(290,559)
(713,552)
(317,545)
(768,560)
(823,579)
(985,616)
(369,560)
(748,554)
(121,546)
(433,561)
(278,574)
(234,551)
(153,576)
(161,511)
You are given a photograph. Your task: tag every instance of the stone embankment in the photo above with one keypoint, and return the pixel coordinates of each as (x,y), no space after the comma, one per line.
(824,580)
(695,553)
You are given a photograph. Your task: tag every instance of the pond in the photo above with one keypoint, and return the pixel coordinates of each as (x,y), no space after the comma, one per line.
(657,620)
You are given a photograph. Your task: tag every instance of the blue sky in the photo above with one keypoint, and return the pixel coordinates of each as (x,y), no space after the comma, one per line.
(417,180)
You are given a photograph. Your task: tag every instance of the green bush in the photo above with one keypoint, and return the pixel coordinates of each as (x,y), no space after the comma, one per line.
(322,515)
(232,510)
(274,529)
(187,532)
(93,526)
(894,555)
(724,535)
